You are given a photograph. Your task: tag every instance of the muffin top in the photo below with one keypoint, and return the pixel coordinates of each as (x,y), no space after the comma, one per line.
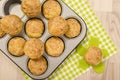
(2,33)
(57,26)
(54,46)
(74,28)
(34,48)
(37,66)
(93,56)
(34,28)
(31,8)
(16,46)
(51,8)
(11,24)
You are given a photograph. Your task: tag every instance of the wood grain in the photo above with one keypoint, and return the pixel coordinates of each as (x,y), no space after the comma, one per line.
(108,11)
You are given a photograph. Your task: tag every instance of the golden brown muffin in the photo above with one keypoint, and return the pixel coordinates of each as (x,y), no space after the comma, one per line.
(2,33)
(74,28)
(34,28)
(54,46)
(11,24)
(57,26)
(31,8)
(34,48)
(93,56)
(51,8)
(16,46)
(37,66)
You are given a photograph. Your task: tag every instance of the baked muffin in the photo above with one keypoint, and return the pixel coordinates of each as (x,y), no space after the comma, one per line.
(57,26)
(2,33)
(31,8)
(54,46)
(93,56)
(74,28)
(34,48)
(16,46)
(37,66)
(11,24)
(34,28)
(51,8)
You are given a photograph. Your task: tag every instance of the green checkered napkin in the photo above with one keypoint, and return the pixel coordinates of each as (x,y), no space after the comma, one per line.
(74,65)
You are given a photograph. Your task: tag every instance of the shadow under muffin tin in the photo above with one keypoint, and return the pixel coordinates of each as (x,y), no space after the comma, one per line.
(53,62)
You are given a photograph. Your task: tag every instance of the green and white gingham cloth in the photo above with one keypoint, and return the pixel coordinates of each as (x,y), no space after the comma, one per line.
(69,69)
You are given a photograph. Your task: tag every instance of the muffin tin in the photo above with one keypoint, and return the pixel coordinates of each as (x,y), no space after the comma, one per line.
(53,62)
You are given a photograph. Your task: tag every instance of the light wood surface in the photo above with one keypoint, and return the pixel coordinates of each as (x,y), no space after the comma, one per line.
(108,11)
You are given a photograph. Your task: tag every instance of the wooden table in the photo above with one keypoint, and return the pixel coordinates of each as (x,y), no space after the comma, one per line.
(108,11)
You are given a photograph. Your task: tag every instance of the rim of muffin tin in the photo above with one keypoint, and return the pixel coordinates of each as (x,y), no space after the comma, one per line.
(33,59)
(8,45)
(5,33)
(32,19)
(56,37)
(80,27)
(8,4)
(43,5)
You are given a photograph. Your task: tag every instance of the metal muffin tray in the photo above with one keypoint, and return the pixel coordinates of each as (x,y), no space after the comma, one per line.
(13,7)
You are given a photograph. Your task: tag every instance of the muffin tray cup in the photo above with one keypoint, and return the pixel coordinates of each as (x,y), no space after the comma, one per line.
(53,62)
